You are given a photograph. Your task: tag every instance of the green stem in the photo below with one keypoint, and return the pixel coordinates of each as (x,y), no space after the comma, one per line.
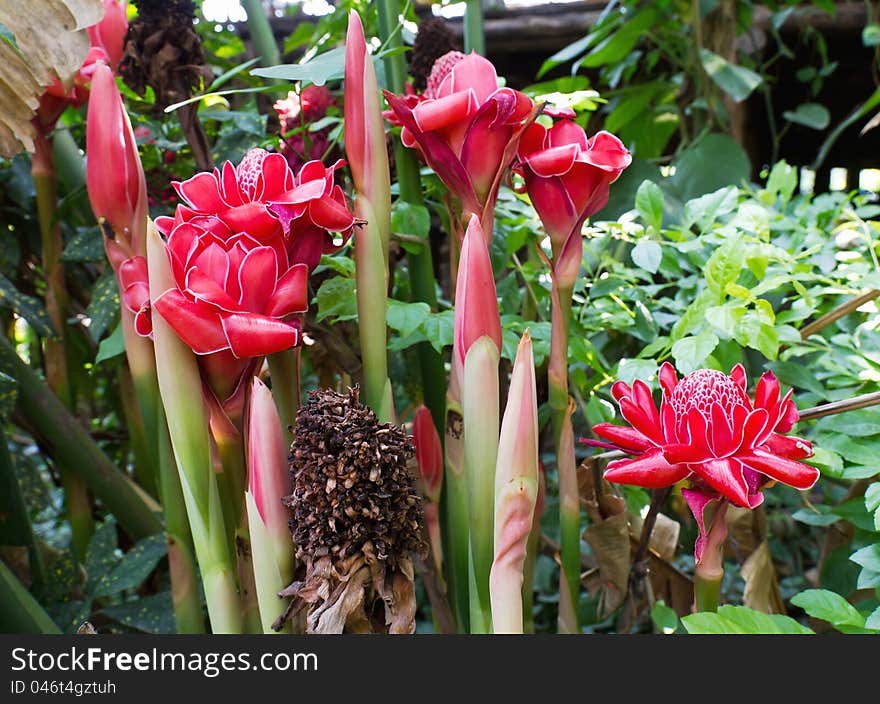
(21,613)
(456,544)
(707,589)
(15,522)
(261,33)
(569,503)
(144,458)
(371,275)
(481,428)
(76,497)
(474,36)
(71,445)
(284,372)
(420,265)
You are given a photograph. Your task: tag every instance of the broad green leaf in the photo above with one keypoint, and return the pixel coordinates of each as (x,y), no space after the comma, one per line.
(647,255)
(872,503)
(811,518)
(28,307)
(868,557)
(706,209)
(100,553)
(631,369)
(725,318)
(798,376)
(737,81)
(153,613)
(810,115)
(337,298)
(665,619)
(406,318)
(649,203)
(619,43)
(724,267)
(134,567)
(783,181)
(690,352)
(87,245)
(338,263)
(103,309)
(873,620)
(861,423)
(111,346)
(322,68)
(828,606)
(439,329)
(753,331)
(410,219)
(8,394)
(741,620)
(871,35)
(697,167)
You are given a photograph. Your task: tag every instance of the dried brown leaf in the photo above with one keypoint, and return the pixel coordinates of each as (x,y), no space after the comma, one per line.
(51,41)
(762,590)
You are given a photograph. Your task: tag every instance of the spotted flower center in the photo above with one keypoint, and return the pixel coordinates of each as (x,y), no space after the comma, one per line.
(249,171)
(701,389)
(441,69)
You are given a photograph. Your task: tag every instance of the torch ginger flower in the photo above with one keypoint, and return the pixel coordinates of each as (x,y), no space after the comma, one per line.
(567,177)
(709,432)
(466,128)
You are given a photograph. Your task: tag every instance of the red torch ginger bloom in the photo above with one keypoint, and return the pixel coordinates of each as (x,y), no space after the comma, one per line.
(109,33)
(567,176)
(238,195)
(466,127)
(311,212)
(232,292)
(710,432)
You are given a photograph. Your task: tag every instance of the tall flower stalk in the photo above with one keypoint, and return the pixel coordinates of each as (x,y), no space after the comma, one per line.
(516,492)
(180,384)
(476,354)
(119,201)
(567,177)
(368,159)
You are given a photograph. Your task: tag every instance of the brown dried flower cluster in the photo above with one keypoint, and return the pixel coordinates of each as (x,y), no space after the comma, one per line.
(434,39)
(356,518)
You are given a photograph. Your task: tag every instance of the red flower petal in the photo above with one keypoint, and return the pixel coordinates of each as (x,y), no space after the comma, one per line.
(788,446)
(623,437)
(195,323)
(796,474)
(204,288)
(726,476)
(650,470)
(291,293)
(256,279)
(252,335)
(202,192)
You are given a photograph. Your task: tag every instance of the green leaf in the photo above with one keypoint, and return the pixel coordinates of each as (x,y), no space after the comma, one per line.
(754,331)
(647,255)
(742,620)
(111,346)
(150,614)
(665,619)
(783,181)
(8,395)
(631,369)
(338,263)
(337,298)
(724,267)
(873,621)
(861,423)
(406,318)
(103,309)
(798,376)
(87,245)
(322,68)
(871,35)
(28,307)
(7,36)
(810,115)
(439,329)
(811,518)
(724,318)
(872,503)
(697,167)
(690,352)
(134,567)
(619,43)
(828,606)
(868,557)
(100,553)
(649,203)
(410,219)
(737,81)
(706,209)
